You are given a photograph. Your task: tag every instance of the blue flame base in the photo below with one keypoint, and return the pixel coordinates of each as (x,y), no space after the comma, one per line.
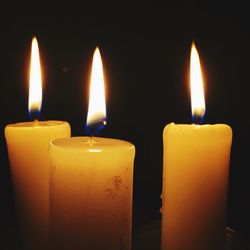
(34,115)
(196,119)
(94,129)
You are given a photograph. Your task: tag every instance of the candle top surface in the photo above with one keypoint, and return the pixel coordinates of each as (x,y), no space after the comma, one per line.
(37,124)
(194,125)
(94,144)
(205,129)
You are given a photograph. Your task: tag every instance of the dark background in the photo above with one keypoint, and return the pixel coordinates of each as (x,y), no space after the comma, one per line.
(145,51)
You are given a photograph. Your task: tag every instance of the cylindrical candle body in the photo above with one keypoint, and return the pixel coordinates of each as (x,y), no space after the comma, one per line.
(28,145)
(195,181)
(91,193)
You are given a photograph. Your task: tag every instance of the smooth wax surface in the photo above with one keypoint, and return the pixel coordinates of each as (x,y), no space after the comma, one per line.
(28,144)
(195,182)
(91,193)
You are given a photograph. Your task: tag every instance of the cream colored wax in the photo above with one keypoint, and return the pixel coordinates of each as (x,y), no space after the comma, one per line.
(195,182)
(91,193)
(28,145)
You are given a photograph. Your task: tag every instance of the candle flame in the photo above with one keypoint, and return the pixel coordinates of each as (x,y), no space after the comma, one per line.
(35,81)
(196,85)
(97,105)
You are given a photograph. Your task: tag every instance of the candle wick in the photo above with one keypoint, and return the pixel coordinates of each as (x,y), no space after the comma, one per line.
(197,120)
(36,122)
(95,128)
(91,140)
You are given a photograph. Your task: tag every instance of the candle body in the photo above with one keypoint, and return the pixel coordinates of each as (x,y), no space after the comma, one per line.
(195,181)
(29,162)
(91,193)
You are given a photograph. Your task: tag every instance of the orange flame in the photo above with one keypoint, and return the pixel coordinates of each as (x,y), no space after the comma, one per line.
(35,82)
(196,84)
(97,105)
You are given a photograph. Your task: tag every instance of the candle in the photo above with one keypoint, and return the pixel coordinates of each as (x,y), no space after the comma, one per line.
(92,183)
(27,144)
(195,177)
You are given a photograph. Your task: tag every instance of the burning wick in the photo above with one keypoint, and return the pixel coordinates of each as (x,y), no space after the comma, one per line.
(34,115)
(36,122)
(197,119)
(95,128)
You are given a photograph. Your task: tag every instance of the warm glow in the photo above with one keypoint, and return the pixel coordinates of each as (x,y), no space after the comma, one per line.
(35,84)
(196,85)
(97,106)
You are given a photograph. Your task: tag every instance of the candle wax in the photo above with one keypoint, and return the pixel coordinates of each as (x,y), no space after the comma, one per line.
(91,193)
(195,181)
(28,144)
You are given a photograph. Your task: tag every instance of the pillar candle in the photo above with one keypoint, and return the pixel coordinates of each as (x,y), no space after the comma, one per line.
(28,144)
(91,193)
(195,180)
(92,183)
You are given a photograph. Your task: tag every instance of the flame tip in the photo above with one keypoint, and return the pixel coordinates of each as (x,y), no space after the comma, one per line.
(97,49)
(34,39)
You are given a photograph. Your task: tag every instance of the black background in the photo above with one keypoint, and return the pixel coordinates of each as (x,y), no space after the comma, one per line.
(145,51)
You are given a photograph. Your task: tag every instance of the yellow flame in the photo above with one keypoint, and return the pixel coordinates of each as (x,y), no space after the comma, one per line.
(196,84)
(35,83)
(97,105)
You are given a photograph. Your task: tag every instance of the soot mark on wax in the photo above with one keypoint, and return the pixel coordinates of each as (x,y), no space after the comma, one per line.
(113,187)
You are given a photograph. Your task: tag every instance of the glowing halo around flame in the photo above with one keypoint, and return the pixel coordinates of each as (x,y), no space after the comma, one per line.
(96,117)
(196,86)
(35,81)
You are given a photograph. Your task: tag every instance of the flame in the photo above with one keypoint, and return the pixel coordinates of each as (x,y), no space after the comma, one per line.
(97,105)
(196,85)
(35,84)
